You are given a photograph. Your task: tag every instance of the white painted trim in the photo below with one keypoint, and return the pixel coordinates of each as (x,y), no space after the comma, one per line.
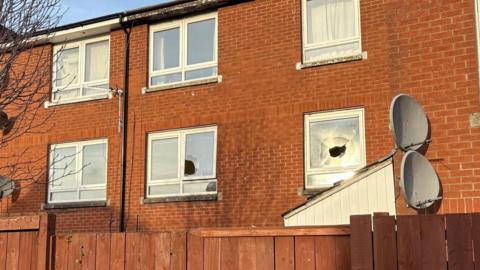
(78,175)
(328,116)
(306,46)
(180,135)
(183,66)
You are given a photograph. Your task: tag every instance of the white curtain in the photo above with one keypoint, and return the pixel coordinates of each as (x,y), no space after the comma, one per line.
(67,67)
(330,20)
(96,61)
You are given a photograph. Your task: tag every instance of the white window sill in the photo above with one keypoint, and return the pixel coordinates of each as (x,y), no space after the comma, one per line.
(216,79)
(75,204)
(361,56)
(49,104)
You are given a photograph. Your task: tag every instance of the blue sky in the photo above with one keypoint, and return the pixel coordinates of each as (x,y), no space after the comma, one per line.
(79,10)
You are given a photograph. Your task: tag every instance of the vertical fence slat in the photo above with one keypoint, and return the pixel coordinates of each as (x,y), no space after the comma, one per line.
(246,253)
(361,245)
(102,251)
(409,243)
(459,241)
(162,250)
(265,253)
(342,253)
(385,243)
(194,252)
(133,251)
(229,253)
(212,255)
(3,250)
(304,253)
(284,253)
(45,231)
(179,251)
(147,251)
(61,252)
(325,252)
(434,254)
(26,247)
(117,251)
(35,251)
(13,247)
(476,239)
(88,249)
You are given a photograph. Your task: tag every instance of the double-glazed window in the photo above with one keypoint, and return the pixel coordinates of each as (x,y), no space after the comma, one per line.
(81,69)
(78,171)
(182,162)
(334,146)
(183,50)
(331,29)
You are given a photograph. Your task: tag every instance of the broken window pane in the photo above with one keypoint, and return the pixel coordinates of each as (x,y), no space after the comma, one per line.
(164,159)
(199,152)
(335,144)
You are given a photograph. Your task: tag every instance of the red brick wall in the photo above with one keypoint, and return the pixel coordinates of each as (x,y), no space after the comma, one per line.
(424,48)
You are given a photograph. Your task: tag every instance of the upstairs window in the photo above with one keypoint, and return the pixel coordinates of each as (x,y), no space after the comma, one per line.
(183,50)
(331,29)
(182,162)
(81,69)
(78,172)
(334,147)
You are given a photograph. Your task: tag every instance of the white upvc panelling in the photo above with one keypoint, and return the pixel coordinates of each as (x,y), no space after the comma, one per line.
(370,192)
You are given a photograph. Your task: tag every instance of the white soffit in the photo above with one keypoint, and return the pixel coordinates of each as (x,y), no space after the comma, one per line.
(84,31)
(370,191)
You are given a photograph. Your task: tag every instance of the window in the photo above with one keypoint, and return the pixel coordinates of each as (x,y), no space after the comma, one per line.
(81,69)
(334,146)
(183,50)
(331,29)
(182,162)
(78,172)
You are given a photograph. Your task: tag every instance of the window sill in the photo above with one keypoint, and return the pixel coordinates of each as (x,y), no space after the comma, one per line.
(362,56)
(187,198)
(49,104)
(67,205)
(217,79)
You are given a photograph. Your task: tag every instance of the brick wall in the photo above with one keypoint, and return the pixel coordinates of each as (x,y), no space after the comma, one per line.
(424,48)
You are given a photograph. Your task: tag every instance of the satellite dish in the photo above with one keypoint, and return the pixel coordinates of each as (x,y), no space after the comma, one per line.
(419,181)
(408,122)
(7,186)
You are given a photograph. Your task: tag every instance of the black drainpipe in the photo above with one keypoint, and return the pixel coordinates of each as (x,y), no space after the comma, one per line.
(124,127)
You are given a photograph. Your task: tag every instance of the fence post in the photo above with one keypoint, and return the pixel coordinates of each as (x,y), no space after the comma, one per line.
(361,245)
(46,229)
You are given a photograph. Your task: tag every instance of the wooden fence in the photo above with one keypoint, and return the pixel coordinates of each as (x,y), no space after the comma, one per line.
(207,249)
(25,242)
(416,242)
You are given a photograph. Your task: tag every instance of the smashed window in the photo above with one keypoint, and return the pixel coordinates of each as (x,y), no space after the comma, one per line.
(182,162)
(335,146)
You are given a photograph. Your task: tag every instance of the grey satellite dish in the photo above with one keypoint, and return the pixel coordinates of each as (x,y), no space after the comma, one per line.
(7,186)
(408,122)
(419,181)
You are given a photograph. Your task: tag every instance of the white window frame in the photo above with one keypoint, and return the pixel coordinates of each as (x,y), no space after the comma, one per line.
(181,135)
(81,45)
(78,173)
(332,116)
(306,46)
(183,50)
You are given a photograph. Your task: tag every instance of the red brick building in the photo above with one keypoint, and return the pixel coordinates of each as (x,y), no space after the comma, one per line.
(246,73)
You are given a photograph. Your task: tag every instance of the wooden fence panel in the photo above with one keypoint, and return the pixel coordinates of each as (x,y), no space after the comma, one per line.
(361,243)
(342,253)
(305,253)
(385,244)
(284,253)
(212,255)
(13,250)
(434,255)
(229,253)
(409,243)
(102,251)
(265,253)
(162,251)
(117,251)
(3,250)
(476,239)
(459,237)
